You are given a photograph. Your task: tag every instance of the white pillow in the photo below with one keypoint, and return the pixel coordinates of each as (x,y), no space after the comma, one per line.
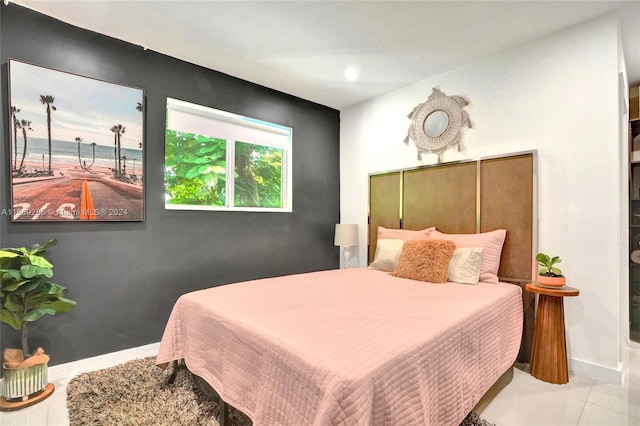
(465,265)
(387,253)
(491,243)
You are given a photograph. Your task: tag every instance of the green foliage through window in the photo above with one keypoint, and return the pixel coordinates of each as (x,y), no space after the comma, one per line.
(195,169)
(195,172)
(258,176)
(217,160)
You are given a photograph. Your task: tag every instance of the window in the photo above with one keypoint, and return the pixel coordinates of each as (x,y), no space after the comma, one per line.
(215,160)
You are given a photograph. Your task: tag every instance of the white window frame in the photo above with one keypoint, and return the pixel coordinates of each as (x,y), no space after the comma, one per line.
(201,120)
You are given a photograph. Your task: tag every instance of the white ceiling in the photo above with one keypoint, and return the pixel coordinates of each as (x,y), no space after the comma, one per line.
(304,47)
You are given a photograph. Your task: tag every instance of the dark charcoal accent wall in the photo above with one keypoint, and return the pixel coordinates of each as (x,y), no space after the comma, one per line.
(127,276)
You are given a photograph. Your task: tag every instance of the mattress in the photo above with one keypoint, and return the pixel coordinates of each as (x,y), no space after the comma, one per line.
(347,347)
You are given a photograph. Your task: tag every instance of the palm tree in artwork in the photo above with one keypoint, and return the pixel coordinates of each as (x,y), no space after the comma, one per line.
(121,129)
(79,159)
(140,108)
(93,147)
(118,131)
(24,125)
(78,139)
(114,129)
(119,146)
(83,164)
(48,101)
(16,126)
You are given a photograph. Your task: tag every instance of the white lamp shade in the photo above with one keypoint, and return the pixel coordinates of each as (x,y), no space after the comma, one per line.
(346,235)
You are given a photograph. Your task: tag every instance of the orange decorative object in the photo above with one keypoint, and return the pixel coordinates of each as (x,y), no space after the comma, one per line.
(7,405)
(551,281)
(549,357)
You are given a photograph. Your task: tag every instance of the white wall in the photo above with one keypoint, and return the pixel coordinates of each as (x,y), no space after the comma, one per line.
(623,114)
(558,95)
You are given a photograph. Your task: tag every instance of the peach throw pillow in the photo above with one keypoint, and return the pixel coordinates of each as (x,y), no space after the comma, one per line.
(425,260)
(491,244)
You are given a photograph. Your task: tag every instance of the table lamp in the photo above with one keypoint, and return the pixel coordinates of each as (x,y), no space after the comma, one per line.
(346,236)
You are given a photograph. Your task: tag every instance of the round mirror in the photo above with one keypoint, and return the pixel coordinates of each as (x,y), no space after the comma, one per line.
(436,123)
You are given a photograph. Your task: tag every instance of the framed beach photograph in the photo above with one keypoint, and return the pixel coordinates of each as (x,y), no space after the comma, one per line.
(77,147)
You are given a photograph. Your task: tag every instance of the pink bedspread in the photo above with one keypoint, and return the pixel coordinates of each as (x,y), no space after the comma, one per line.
(347,347)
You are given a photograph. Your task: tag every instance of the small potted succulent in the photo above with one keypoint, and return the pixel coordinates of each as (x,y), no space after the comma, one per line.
(26,294)
(549,275)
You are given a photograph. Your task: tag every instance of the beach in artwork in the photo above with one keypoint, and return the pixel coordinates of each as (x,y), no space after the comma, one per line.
(76,147)
(59,196)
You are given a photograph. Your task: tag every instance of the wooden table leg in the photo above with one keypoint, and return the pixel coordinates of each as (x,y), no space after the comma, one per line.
(549,358)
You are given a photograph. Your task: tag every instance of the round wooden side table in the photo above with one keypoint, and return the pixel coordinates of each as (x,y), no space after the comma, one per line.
(549,357)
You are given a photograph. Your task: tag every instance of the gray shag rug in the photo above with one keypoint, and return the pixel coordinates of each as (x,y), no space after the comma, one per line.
(137,393)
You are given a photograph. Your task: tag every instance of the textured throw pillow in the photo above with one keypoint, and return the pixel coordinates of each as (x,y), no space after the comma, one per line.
(491,244)
(465,265)
(387,253)
(403,234)
(425,260)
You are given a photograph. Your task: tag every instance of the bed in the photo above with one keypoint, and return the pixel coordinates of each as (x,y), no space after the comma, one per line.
(361,346)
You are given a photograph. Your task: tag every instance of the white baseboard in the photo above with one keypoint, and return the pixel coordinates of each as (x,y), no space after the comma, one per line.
(606,374)
(71,369)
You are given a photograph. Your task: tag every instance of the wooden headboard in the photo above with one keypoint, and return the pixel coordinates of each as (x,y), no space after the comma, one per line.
(467,197)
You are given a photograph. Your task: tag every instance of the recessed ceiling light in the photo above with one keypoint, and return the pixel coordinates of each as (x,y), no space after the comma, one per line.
(351,73)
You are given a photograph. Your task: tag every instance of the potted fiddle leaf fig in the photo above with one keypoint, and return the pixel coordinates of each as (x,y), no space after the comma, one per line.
(548,273)
(26,295)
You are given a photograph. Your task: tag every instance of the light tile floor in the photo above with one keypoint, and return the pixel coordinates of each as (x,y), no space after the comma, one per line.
(520,399)
(516,399)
